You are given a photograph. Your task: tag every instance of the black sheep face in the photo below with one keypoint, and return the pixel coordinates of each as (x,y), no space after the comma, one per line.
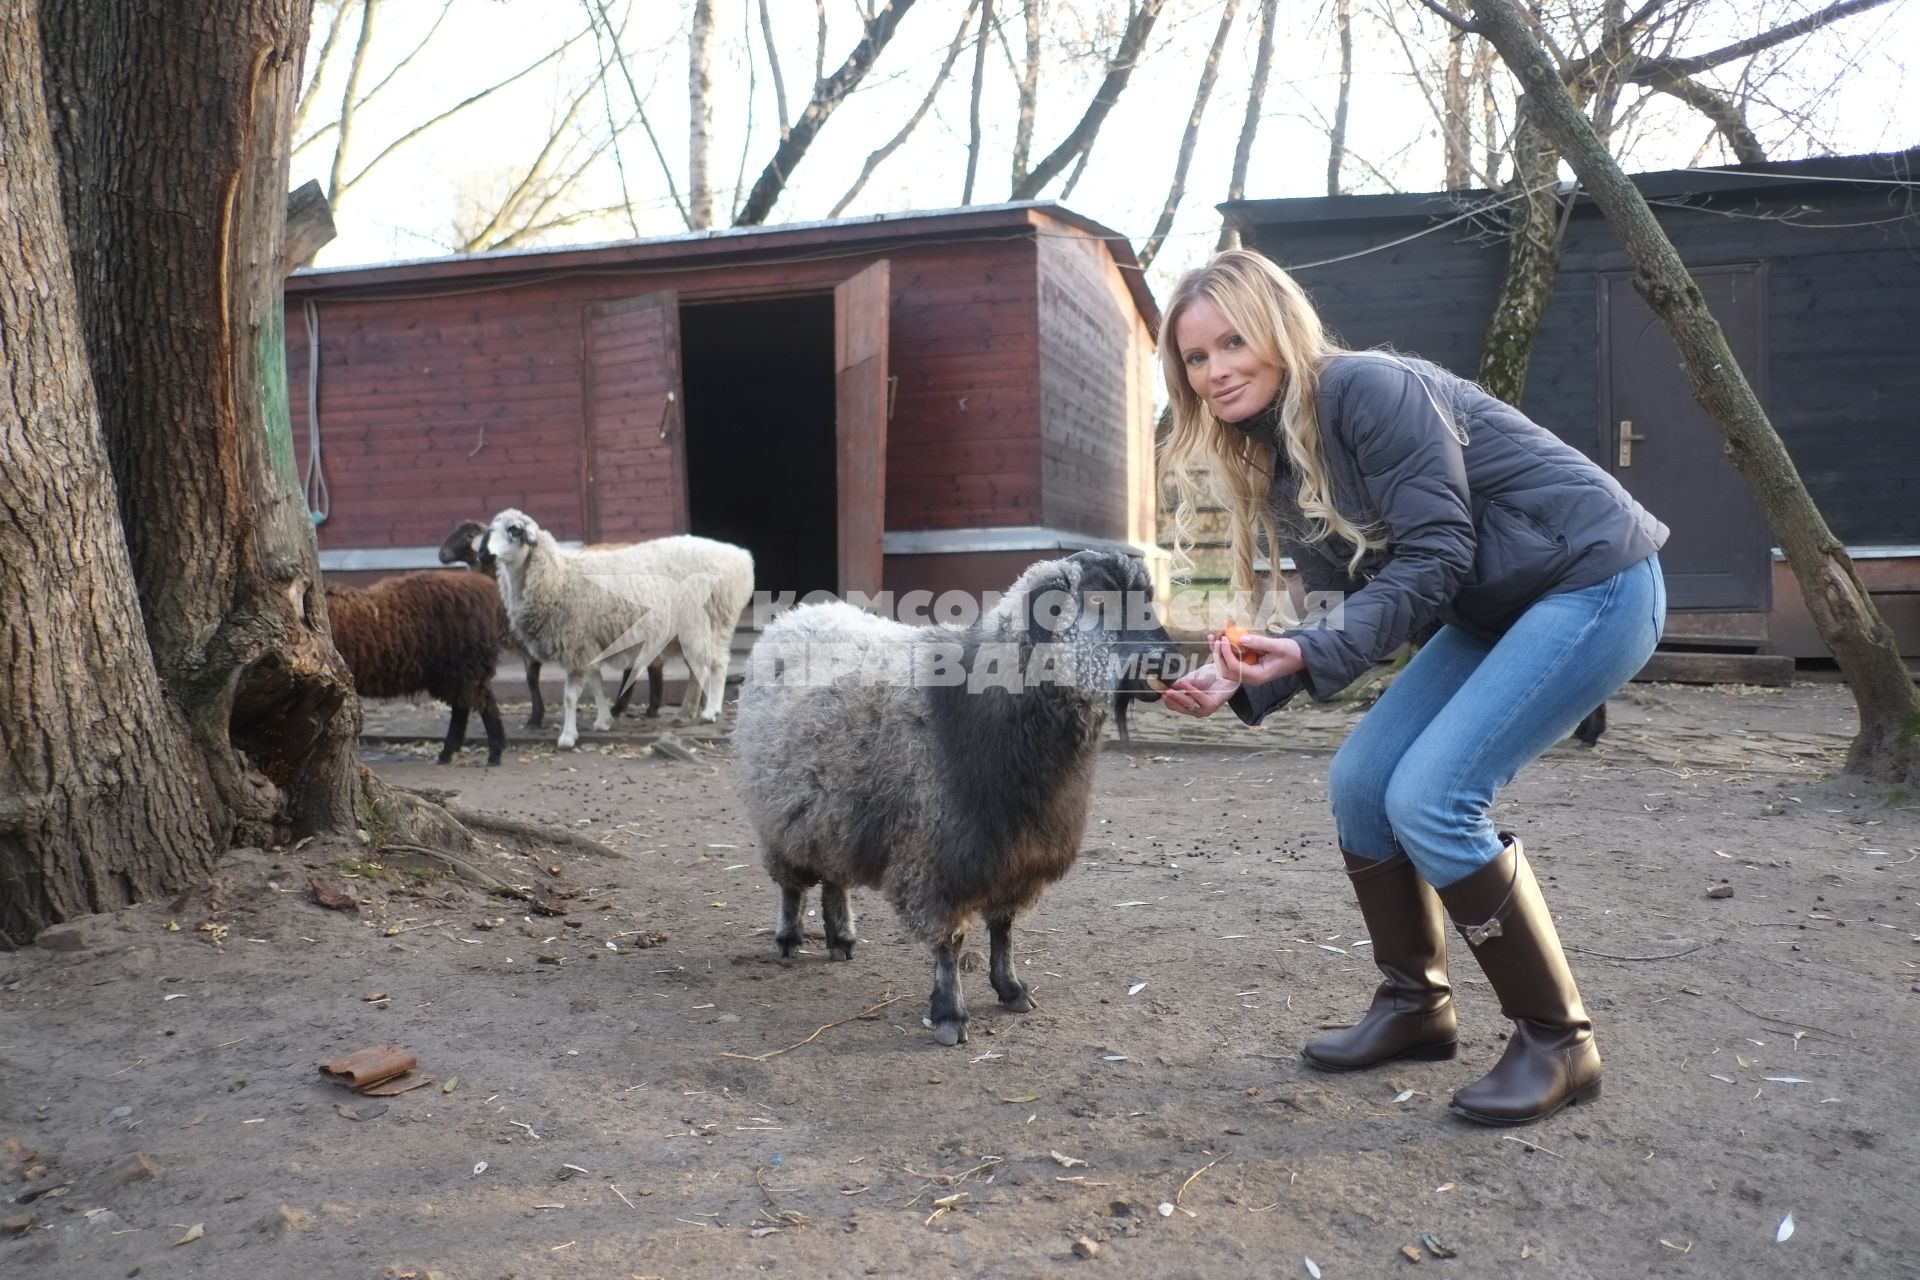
(465,545)
(1101,613)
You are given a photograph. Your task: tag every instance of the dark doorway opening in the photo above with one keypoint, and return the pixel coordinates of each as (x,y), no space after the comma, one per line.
(760,435)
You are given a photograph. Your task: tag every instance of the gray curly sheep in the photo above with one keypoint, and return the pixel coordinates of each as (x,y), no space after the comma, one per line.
(950,768)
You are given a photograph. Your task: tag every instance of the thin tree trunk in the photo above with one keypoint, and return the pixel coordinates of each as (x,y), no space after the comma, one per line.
(1208,74)
(349,98)
(1533,263)
(172,142)
(1250,121)
(1080,142)
(1888,745)
(1337,148)
(1455,128)
(973,108)
(1029,94)
(700,117)
(101,804)
(826,98)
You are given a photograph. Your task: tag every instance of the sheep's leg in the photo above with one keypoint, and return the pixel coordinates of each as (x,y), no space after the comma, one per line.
(626,691)
(838,914)
(947,1015)
(1014,994)
(496,732)
(570,709)
(456,734)
(787,931)
(716,685)
(603,710)
(656,685)
(538,715)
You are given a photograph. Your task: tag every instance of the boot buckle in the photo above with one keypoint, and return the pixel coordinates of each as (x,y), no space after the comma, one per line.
(1479,933)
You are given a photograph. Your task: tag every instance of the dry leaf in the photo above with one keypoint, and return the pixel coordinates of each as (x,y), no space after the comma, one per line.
(1136,988)
(1313,1269)
(199,1229)
(1446,1186)
(1403,1095)
(1785,1233)
(1067,1162)
(1023,1098)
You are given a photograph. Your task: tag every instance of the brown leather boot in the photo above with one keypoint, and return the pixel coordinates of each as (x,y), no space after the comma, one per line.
(1550,1061)
(1412,1011)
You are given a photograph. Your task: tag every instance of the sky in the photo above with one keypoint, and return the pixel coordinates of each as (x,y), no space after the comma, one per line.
(1849,83)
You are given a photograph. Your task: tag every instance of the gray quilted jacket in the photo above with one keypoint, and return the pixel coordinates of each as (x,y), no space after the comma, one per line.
(1475,533)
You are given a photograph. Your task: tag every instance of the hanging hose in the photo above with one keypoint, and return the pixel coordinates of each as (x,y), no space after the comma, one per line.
(319,497)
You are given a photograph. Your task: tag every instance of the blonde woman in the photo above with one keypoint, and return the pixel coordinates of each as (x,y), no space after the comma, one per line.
(1425,501)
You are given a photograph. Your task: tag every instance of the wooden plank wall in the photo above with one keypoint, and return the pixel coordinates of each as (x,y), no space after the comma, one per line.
(1093,409)
(1843,306)
(412,383)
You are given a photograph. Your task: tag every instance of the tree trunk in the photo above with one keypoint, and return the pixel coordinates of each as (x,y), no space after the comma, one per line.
(973,107)
(172,141)
(1029,93)
(1249,122)
(1533,263)
(1455,127)
(100,804)
(700,117)
(1337,144)
(1888,745)
(1209,72)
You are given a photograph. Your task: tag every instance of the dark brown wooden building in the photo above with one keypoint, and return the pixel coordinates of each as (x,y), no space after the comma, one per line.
(1812,269)
(911,401)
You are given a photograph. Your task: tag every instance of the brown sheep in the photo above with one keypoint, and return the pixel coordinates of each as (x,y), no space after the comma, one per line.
(431,632)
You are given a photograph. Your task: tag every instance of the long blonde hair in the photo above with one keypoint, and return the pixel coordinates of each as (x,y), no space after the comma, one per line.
(1204,457)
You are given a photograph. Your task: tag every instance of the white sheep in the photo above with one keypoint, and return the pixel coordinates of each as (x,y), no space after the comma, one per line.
(578,609)
(951,768)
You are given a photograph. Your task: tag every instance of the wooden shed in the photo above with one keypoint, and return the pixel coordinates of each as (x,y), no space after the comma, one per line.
(925,400)
(1812,269)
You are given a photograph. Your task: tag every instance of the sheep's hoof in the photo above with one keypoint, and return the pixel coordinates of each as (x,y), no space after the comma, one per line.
(1021,1001)
(533,722)
(948,1033)
(787,947)
(567,744)
(840,950)
(603,724)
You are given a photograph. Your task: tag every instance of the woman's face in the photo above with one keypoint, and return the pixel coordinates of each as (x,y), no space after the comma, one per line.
(1235,383)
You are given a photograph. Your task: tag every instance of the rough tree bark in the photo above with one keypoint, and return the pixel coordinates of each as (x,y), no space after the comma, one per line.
(1029,93)
(1888,745)
(1337,148)
(172,140)
(1533,262)
(101,803)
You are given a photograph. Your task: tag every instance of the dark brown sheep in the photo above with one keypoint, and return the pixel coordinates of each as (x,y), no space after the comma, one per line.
(431,632)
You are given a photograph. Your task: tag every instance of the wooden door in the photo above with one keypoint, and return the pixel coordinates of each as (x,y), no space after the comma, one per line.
(1669,454)
(634,465)
(861,402)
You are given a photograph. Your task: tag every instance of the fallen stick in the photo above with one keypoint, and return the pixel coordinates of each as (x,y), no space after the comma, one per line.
(762,1057)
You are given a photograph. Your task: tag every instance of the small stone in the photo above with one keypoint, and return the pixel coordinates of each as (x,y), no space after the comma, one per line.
(135,1167)
(283,1220)
(71,936)
(1085,1248)
(19,1222)
(1720,891)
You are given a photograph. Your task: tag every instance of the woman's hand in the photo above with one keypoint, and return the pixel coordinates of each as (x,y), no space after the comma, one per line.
(1270,657)
(1200,693)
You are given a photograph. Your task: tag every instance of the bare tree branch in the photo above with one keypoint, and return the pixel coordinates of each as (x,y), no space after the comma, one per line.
(820,48)
(913,122)
(753,88)
(599,8)
(1208,73)
(831,93)
(1119,70)
(1249,121)
(1768,39)
(973,109)
(1455,19)
(1343,28)
(319,72)
(700,117)
(1722,109)
(773,64)
(347,99)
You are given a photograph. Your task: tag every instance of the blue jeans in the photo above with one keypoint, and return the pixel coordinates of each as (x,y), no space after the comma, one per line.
(1419,772)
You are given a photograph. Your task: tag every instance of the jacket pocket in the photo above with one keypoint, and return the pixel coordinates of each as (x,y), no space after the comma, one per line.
(1517,558)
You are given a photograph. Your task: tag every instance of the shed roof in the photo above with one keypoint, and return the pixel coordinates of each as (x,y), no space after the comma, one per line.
(1881,167)
(720,246)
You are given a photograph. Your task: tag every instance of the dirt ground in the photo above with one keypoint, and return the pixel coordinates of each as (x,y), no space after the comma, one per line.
(694,1107)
